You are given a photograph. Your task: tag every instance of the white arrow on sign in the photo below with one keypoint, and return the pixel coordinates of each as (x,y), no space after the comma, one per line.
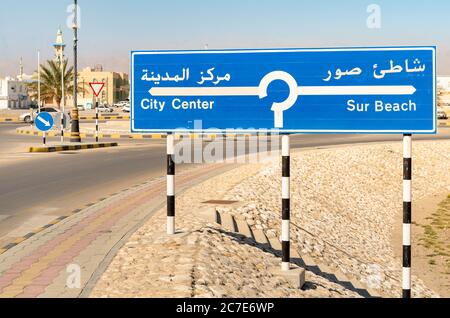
(294,89)
(42,120)
(301,91)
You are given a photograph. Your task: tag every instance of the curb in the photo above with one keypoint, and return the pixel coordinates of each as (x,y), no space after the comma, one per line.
(34,232)
(10,120)
(105,117)
(89,135)
(112,118)
(72,147)
(56,221)
(131,136)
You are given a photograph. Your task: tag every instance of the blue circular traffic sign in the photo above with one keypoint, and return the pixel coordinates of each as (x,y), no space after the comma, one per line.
(44,121)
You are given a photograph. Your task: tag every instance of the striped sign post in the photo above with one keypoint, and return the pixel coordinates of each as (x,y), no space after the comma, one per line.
(97,88)
(170,184)
(407,198)
(285,198)
(62,126)
(96,120)
(44,122)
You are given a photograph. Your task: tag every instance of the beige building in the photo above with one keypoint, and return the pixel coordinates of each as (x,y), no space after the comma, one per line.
(443,93)
(117,86)
(443,87)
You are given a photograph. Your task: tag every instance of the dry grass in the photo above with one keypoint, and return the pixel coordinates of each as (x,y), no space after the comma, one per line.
(436,236)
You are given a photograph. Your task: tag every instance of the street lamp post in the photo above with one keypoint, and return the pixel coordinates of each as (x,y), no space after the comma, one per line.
(59,49)
(63,97)
(75,128)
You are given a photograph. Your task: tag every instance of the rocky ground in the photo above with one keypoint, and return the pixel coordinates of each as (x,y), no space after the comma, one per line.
(345,202)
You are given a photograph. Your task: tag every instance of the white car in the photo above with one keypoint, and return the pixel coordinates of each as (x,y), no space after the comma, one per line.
(126,108)
(121,104)
(29,118)
(105,108)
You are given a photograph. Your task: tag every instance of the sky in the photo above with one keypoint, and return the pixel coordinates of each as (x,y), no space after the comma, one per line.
(110,29)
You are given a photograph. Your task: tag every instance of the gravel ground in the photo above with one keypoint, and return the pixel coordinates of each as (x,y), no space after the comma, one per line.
(344,204)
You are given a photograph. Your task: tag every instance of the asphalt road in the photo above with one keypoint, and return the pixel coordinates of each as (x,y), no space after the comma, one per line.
(56,184)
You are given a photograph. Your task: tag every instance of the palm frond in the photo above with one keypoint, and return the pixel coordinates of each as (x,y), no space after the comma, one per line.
(51,81)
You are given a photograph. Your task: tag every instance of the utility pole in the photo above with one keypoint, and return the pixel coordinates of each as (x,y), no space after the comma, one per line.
(75,128)
(39,81)
(63,97)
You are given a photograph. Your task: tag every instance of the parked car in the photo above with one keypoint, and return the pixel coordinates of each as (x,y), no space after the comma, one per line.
(29,118)
(441,114)
(126,108)
(105,108)
(121,104)
(80,107)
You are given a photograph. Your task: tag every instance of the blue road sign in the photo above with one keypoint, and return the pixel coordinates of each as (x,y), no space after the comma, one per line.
(44,121)
(343,90)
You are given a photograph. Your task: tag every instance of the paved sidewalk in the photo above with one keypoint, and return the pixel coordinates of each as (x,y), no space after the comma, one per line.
(10,120)
(42,265)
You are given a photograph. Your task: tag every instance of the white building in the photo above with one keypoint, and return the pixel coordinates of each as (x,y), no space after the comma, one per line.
(13,94)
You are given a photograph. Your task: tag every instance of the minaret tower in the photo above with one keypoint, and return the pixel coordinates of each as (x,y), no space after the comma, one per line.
(20,77)
(59,46)
(59,58)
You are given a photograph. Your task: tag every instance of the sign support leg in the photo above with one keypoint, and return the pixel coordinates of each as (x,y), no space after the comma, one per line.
(407,198)
(285,211)
(96,120)
(44,138)
(62,127)
(170,185)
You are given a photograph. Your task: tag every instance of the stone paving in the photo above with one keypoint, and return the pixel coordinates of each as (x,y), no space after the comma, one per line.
(42,265)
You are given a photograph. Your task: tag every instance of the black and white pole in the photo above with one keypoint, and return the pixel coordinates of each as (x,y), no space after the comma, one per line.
(44,138)
(62,127)
(285,210)
(407,198)
(170,184)
(96,120)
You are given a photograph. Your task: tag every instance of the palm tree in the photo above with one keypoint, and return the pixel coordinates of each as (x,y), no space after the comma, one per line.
(51,82)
